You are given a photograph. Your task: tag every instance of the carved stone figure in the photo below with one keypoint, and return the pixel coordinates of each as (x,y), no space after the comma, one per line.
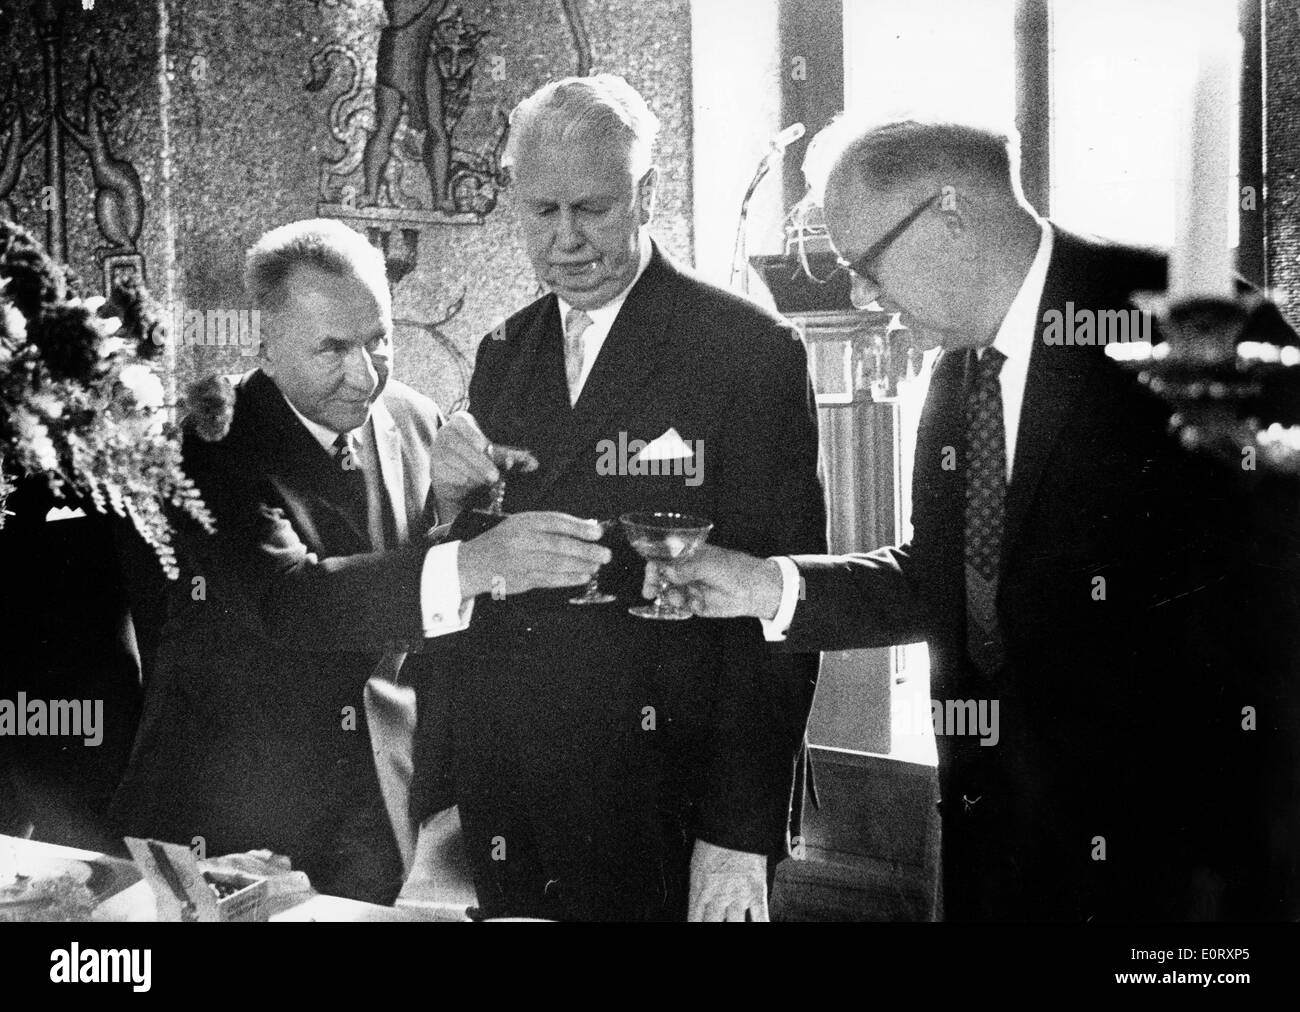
(402,79)
(119,198)
(14,124)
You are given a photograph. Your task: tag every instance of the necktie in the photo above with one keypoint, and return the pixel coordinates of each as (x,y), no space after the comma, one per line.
(986,492)
(363,480)
(345,453)
(576,323)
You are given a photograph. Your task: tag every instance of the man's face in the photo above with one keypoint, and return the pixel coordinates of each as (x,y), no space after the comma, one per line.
(329,347)
(920,274)
(581,211)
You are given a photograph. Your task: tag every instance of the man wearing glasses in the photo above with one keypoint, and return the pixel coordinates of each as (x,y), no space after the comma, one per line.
(1067,562)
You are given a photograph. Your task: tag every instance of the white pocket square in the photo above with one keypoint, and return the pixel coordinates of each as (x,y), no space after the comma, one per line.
(669,446)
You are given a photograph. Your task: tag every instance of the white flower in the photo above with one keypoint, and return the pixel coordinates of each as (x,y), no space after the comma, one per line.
(144,385)
(107,327)
(47,404)
(37,439)
(15,324)
(146,390)
(111,346)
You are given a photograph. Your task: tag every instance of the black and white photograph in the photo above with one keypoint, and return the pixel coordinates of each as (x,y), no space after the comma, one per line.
(651,461)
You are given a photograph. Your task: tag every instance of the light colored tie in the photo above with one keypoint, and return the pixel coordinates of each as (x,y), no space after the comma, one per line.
(576,323)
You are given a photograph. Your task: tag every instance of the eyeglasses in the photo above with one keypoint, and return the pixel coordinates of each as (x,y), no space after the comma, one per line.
(861,268)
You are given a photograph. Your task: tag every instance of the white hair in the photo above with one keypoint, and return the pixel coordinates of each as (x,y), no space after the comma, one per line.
(323,243)
(603,107)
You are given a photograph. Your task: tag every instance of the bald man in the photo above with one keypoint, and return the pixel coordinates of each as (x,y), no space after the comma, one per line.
(1070,564)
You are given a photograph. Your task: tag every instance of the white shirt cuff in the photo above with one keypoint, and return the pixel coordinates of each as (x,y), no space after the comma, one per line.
(774,629)
(443,609)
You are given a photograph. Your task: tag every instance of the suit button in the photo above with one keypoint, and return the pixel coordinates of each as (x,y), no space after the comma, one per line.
(436,619)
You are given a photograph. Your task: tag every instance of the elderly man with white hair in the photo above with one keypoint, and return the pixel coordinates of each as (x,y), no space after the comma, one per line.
(607,766)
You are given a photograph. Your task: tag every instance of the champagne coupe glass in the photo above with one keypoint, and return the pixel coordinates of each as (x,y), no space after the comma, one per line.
(593,594)
(664,537)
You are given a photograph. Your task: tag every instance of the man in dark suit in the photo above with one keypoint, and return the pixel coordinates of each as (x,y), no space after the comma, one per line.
(1070,564)
(607,766)
(280,716)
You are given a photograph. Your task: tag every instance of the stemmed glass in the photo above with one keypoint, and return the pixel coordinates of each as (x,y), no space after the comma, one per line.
(664,537)
(506,458)
(593,594)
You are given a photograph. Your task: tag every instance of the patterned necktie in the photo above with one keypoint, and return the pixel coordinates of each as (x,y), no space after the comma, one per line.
(576,323)
(345,453)
(986,493)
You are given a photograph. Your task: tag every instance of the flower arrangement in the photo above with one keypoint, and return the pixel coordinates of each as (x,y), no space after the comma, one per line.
(80,402)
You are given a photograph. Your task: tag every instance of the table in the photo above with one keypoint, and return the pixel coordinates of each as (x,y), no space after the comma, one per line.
(132,900)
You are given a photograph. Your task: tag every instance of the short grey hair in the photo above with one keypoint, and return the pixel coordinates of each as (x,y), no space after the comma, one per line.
(603,106)
(323,243)
(889,155)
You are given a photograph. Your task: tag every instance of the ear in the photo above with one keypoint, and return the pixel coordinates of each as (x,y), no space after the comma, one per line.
(646,193)
(265,360)
(953,207)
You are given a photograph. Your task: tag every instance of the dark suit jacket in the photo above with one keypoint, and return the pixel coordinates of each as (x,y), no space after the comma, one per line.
(1120,717)
(83,635)
(243,740)
(548,718)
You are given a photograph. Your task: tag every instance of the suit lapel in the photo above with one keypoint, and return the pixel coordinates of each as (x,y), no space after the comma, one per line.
(293,449)
(530,408)
(938,488)
(1056,375)
(299,465)
(634,351)
(943,416)
(388,442)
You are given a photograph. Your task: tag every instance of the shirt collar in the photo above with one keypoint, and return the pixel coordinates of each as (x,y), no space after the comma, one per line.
(1015,337)
(603,316)
(323,434)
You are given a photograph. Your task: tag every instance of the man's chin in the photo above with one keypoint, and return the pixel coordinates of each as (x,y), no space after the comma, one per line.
(584,294)
(345,418)
(922,336)
(585,298)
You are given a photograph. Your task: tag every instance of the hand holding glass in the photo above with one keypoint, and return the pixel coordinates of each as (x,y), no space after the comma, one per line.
(664,537)
(506,458)
(593,594)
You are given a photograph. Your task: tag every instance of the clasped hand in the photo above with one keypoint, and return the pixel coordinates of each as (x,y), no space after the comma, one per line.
(525,551)
(717,582)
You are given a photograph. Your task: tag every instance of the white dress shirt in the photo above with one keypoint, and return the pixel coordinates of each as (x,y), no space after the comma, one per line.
(441,607)
(602,320)
(444,609)
(1015,340)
